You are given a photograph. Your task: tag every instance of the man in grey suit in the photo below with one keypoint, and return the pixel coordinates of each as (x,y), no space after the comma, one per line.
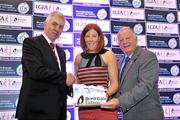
(138,97)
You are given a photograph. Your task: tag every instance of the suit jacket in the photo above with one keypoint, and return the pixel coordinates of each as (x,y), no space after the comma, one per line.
(139,96)
(44,92)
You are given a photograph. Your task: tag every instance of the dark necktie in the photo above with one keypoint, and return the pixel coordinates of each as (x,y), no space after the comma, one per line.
(125,64)
(52,45)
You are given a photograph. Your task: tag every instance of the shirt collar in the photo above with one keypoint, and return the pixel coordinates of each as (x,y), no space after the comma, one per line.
(129,55)
(47,39)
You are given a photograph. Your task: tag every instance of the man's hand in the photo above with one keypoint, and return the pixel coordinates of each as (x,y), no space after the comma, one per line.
(111,104)
(70,79)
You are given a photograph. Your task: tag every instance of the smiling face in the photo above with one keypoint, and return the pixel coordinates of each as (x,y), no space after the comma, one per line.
(53,27)
(127,40)
(91,40)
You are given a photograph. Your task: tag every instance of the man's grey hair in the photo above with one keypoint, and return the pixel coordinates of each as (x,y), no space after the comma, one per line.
(55,13)
(125,28)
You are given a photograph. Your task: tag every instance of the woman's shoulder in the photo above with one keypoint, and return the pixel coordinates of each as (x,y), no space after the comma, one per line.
(78,58)
(109,56)
(109,53)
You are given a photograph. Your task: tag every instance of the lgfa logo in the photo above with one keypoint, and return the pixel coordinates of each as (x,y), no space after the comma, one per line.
(4,19)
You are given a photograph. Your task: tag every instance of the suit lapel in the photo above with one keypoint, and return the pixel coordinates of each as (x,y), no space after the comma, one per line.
(62,57)
(48,50)
(130,63)
(119,68)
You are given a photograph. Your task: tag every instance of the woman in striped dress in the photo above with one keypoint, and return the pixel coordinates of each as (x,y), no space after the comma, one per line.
(96,66)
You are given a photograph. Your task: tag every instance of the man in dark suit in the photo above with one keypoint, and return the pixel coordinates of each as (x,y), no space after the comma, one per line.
(138,97)
(45,82)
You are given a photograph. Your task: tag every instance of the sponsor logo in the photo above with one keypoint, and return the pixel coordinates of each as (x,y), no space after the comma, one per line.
(22,36)
(16,83)
(3,116)
(136,3)
(18,20)
(162,28)
(4,50)
(4,18)
(16,51)
(138,28)
(170,17)
(13,117)
(176,98)
(127,13)
(172,43)
(23,8)
(46,8)
(4,83)
(161,3)
(166,54)
(60,8)
(42,7)
(168,82)
(80,100)
(174,70)
(80,24)
(10,83)
(157,27)
(10,51)
(102,14)
(171,111)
